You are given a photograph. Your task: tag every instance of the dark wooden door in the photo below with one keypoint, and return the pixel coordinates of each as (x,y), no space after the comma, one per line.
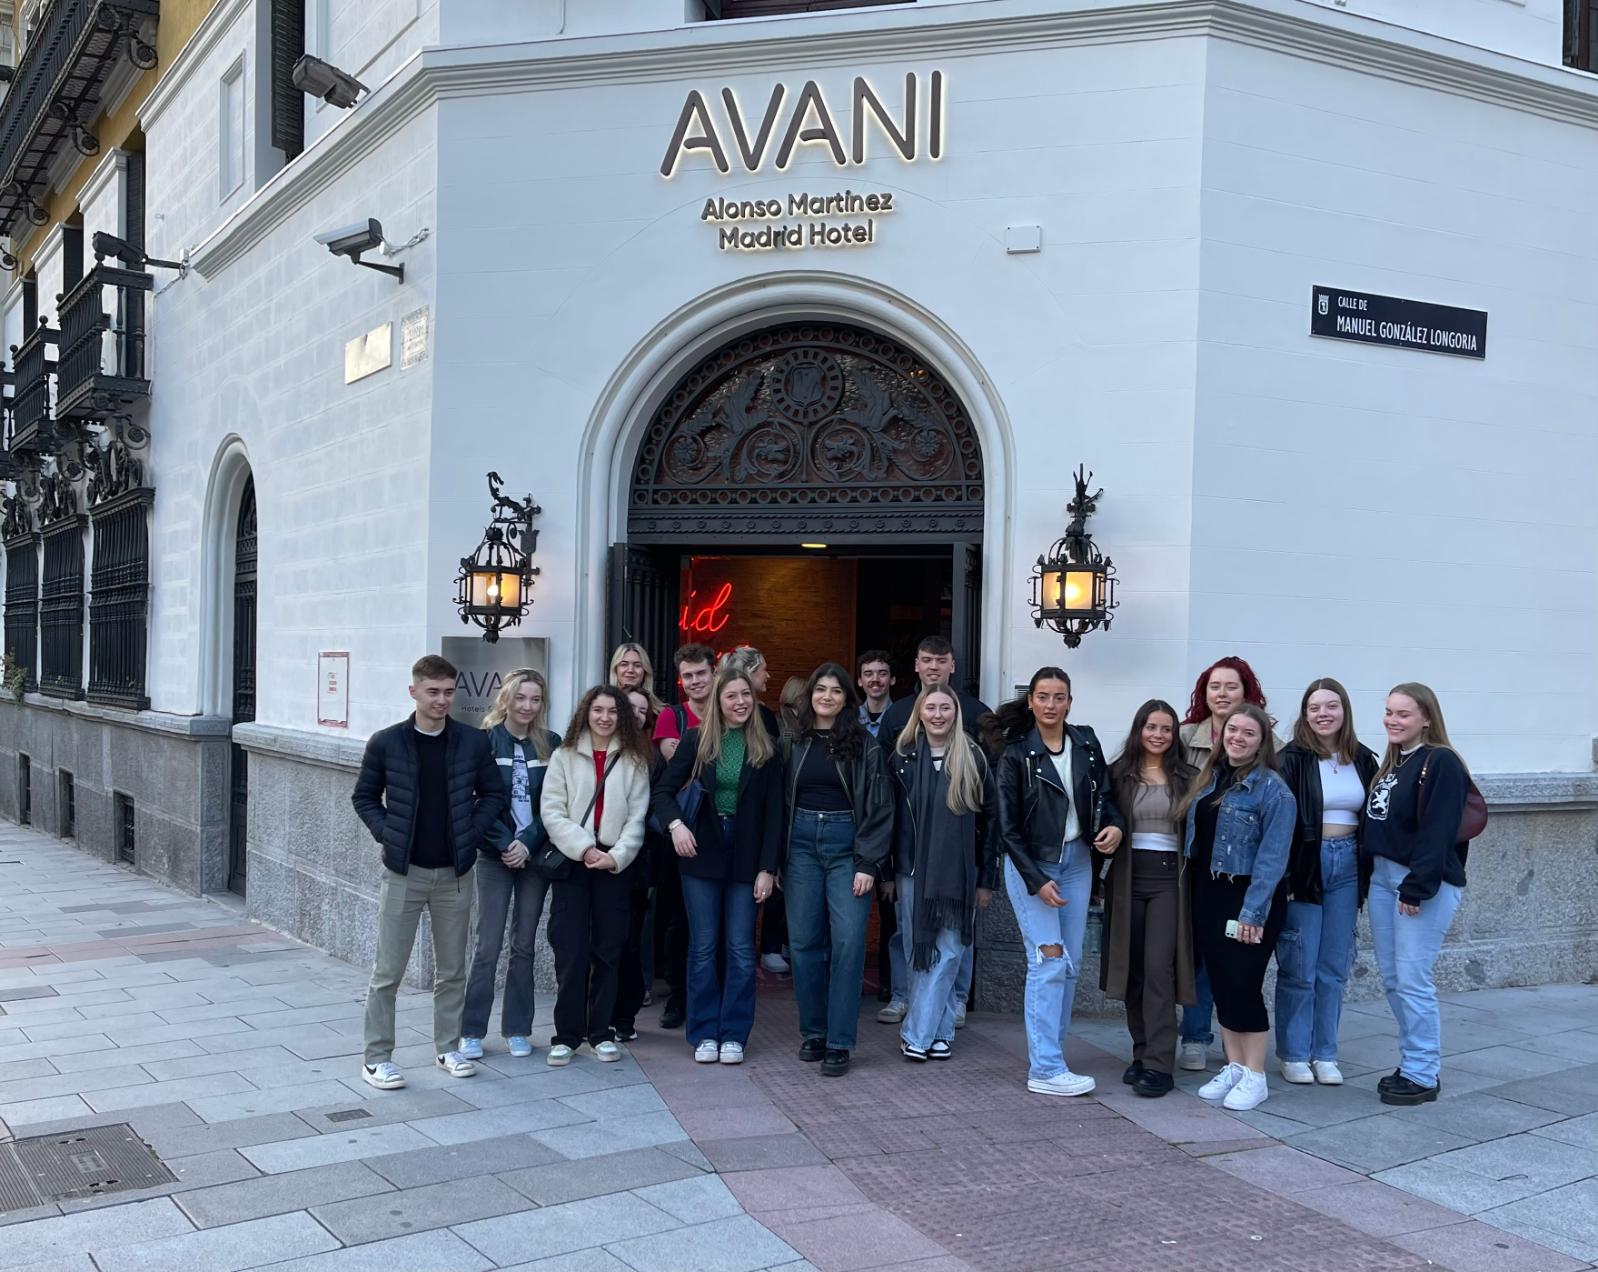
(244,567)
(643,607)
(965,627)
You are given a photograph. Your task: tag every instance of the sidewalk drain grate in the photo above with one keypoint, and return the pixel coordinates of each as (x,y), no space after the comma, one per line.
(348,1115)
(77,1164)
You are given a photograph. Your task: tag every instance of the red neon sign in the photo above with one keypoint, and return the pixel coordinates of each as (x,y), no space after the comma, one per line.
(706,618)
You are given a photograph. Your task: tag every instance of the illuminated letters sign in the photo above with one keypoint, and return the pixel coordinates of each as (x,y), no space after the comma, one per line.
(706,618)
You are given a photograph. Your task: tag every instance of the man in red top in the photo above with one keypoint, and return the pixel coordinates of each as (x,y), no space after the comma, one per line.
(695,664)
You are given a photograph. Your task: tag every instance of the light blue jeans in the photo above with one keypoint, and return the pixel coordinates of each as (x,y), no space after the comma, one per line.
(934,993)
(899,966)
(1406,949)
(1051,982)
(1313,955)
(1198,1020)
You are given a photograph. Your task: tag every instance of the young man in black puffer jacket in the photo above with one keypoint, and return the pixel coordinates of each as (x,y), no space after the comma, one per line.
(429,790)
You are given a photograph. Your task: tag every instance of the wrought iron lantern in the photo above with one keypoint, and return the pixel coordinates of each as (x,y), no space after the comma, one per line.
(1073,586)
(493,588)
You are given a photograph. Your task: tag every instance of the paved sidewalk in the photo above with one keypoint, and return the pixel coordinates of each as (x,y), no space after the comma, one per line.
(233,1054)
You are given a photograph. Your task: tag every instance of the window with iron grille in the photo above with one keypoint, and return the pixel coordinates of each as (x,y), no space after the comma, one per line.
(1581,34)
(67,805)
(61,610)
(127,846)
(22,604)
(764,8)
(24,790)
(119,597)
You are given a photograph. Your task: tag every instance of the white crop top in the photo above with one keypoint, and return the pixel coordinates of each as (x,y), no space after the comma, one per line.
(1342,794)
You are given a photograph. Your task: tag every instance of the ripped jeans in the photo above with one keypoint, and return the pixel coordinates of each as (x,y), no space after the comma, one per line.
(1051,982)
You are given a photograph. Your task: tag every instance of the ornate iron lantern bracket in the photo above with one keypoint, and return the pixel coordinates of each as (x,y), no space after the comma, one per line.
(1073,584)
(493,587)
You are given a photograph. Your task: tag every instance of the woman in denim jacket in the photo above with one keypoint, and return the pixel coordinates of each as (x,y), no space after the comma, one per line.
(1239,816)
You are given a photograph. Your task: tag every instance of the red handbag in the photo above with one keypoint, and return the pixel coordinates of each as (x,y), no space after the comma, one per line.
(1472,818)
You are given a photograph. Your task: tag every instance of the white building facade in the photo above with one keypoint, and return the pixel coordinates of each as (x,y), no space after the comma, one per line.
(894,271)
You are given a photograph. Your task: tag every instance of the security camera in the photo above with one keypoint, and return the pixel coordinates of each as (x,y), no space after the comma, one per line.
(353,240)
(317,78)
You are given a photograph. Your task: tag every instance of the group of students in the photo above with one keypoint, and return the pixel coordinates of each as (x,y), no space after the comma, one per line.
(1216,850)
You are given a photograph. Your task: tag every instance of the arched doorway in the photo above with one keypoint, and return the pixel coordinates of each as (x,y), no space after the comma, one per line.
(813,488)
(243,695)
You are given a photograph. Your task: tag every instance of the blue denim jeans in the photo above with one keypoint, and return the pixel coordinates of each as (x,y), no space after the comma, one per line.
(898,960)
(498,889)
(721,916)
(1313,955)
(934,993)
(1198,1021)
(1406,948)
(826,926)
(1051,982)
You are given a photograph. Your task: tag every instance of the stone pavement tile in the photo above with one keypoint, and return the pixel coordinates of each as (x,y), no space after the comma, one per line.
(8,1217)
(1456,1082)
(593,1176)
(575,1225)
(323,1150)
(1376,1143)
(546,1085)
(71,1031)
(155,1120)
(76,1083)
(594,1260)
(1541,1162)
(273,1099)
(1221,1148)
(405,1105)
(74,1060)
(734,1244)
(133,1035)
(199,1171)
(57,1108)
(25,1244)
(1284,1170)
(1481,1116)
(437,1163)
(475,1124)
(38,1067)
(1179,1118)
(28,1049)
(1507,1064)
(696,1200)
(324,1046)
(626,1101)
(1376,1208)
(1572,1092)
(20,993)
(790,1187)
(240,1245)
(734,1123)
(207,1010)
(758,1152)
(1581,1131)
(1473,1246)
(67,1263)
(592,1139)
(1565,1218)
(201,1137)
(434,1251)
(1580,1046)
(855,1241)
(267,1059)
(1318,1105)
(292,1040)
(184,1089)
(279,1194)
(1479,1034)
(444,1205)
(1461,1190)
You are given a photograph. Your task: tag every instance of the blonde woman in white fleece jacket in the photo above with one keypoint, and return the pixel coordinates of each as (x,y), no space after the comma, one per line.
(595,798)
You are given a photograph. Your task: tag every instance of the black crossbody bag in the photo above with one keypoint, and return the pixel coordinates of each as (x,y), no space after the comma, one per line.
(549,861)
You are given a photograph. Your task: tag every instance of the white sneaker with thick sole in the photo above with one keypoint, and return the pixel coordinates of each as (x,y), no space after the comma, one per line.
(558,1055)
(1193,1056)
(939,1050)
(775,963)
(707,1052)
(1066,1083)
(1218,1086)
(1326,1072)
(607,1052)
(456,1065)
(385,1076)
(519,1046)
(472,1048)
(732,1053)
(1249,1092)
(1298,1072)
(893,1013)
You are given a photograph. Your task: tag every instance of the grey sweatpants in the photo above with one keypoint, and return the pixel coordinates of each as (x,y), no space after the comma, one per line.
(400,902)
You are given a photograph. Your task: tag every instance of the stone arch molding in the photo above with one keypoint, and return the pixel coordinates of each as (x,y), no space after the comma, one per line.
(633,396)
(230,470)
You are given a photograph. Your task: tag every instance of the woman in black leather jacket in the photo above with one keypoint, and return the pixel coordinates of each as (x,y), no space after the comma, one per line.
(1055,801)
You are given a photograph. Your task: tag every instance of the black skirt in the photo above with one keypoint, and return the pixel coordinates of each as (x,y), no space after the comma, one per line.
(1236,971)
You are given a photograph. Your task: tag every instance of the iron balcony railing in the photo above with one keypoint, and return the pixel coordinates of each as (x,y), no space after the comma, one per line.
(56,91)
(101,364)
(31,368)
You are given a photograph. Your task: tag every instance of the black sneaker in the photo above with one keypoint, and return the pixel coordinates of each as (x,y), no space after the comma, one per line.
(917,1054)
(1133,1072)
(624,1033)
(1152,1084)
(1386,1084)
(671,1018)
(812,1049)
(835,1063)
(1405,1092)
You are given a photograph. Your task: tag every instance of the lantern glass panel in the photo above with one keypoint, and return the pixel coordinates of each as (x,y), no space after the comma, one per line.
(496,588)
(1079,588)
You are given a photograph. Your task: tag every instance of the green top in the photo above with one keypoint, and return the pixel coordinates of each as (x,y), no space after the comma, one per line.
(728,766)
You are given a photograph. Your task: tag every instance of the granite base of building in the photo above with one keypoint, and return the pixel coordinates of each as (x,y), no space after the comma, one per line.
(91,773)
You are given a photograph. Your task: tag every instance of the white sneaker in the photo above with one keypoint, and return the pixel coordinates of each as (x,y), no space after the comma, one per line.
(959,1017)
(1066,1083)
(1326,1072)
(385,1076)
(707,1052)
(456,1065)
(1248,1093)
(558,1055)
(607,1052)
(518,1045)
(774,963)
(893,1013)
(1298,1073)
(939,1051)
(1218,1086)
(472,1048)
(732,1053)
(1193,1056)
